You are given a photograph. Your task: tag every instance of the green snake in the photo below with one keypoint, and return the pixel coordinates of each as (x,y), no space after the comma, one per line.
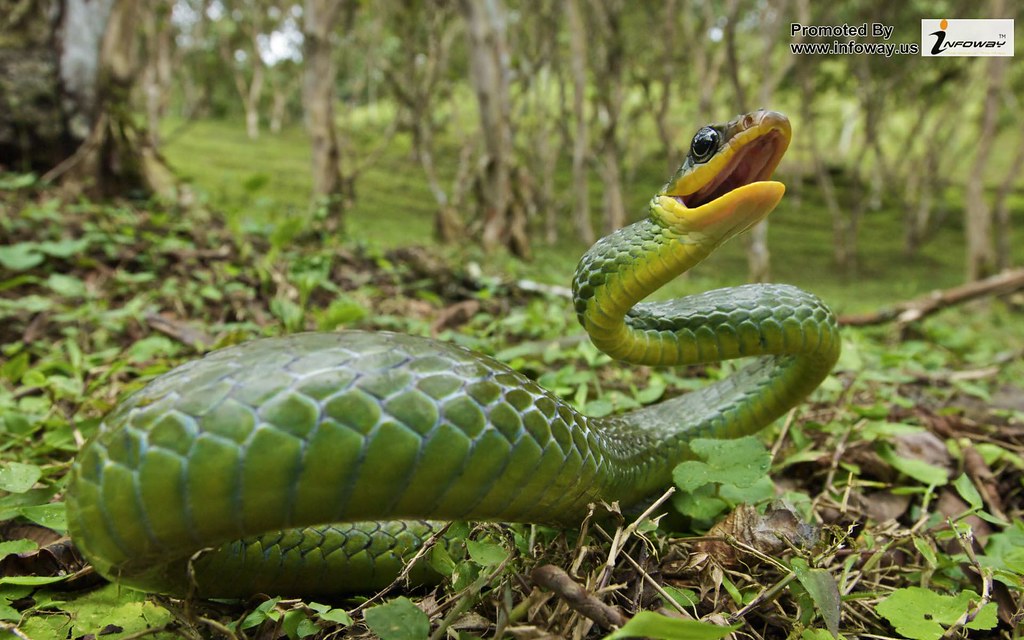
(220,477)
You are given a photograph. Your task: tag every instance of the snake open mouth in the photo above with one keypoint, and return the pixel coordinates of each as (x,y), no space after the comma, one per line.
(751,163)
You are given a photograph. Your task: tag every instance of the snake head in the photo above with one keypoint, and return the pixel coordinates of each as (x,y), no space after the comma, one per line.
(723,186)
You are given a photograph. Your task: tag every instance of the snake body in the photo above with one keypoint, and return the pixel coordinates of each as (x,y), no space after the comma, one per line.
(220,475)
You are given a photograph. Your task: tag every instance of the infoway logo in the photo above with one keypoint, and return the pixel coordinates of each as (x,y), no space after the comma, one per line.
(967,38)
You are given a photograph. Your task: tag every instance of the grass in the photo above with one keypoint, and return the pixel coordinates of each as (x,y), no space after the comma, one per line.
(263,185)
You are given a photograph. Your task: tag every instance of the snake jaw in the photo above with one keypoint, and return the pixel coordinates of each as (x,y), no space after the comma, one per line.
(752,162)
(730,191)
(722,218)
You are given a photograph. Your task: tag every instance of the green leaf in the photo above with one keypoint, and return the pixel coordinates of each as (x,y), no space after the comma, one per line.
(31,581)
(260,614)
(922,614)
(487,554)
(822,588)
(336,615)
(16,367)
(15,181)
(64,248)
(51,515)
(647,624)
(683,597)
(16,477)
(20,257)
(16,546)
(926,551)
(67,286)
(92,611)
(926,474)
(399,619)
(441,561)
(968,491)
(7,612)
(700,504)
(740,462)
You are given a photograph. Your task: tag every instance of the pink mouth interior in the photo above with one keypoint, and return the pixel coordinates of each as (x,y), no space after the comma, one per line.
(749,165)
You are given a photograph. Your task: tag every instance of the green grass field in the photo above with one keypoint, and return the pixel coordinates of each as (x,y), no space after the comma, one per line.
(263,185)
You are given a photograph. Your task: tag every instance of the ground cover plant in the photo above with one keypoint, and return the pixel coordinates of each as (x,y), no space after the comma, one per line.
(889,505)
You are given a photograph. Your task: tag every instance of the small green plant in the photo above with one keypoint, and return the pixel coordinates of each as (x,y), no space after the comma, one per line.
(728,473)
(923,614)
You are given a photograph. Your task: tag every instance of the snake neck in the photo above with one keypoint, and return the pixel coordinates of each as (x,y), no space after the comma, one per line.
(617,273)
(790,335)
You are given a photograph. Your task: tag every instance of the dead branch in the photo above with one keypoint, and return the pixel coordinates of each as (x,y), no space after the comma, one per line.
(180,331)
(555,579)
(905,313)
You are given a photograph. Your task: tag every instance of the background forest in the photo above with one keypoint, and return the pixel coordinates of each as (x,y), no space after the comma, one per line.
(180,175)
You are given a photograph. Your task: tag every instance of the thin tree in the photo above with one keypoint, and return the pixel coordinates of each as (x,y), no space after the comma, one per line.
(319,19)
(418,81)
(503,224)
(581,141)
(981,255)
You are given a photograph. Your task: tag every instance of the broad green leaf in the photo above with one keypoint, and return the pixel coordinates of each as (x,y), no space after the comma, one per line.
(67,286)
(64,248)
(487,554)
(16,367)
(296,624)
(21,256)
(700,504)
(922,614)
(683,597)
(17,477)
(15,181)
(647,624)
(398,619)
(762,489)
(740,462)
(822,588)
(16,546)
(923,472)
(265,611)
(51,515)
(441,561)
(328,614)
(91,612)
(7,612)
(336,615)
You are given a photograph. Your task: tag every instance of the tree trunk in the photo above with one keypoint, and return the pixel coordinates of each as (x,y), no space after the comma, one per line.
(580,146)
(66,86)
(319,20)
(608,67)
(156,78)
(485,20)
(1004,257)
(416,81)
(981,257)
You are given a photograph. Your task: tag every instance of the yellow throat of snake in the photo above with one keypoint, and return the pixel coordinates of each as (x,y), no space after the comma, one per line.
(723,186)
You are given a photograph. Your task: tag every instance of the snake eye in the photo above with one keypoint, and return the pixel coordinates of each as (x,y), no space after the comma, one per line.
(704,144)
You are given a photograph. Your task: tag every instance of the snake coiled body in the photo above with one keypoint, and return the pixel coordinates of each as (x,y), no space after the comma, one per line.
(220,475)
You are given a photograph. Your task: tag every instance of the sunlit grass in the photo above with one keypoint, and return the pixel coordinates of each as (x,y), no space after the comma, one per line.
(263,186)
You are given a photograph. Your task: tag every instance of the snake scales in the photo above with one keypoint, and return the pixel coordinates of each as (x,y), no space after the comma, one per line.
(229,467)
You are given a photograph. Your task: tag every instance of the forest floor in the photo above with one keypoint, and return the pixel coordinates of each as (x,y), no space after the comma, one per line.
(896,493)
